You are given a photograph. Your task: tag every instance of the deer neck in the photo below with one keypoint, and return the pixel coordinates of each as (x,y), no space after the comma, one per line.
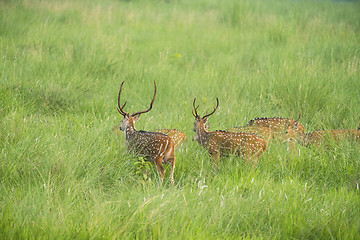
(202,135)
(130,130)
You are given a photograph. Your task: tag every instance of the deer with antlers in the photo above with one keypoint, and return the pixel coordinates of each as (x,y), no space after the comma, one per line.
(155,147)
(219,143)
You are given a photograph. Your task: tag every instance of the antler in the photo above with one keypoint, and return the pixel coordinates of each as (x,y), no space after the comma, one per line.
(120,108)
(195,108)
(196,115)
(151,104)
(217,105)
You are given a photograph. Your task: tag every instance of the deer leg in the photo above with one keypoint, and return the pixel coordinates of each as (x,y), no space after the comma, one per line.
(215,152)
(255,158)
(215,155)
(172,170)
(293,148)
(245,156)
(258,153)
(160,167)
(249,155)
(242,150)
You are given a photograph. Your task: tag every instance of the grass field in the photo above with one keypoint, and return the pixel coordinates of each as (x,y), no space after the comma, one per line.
(64,172)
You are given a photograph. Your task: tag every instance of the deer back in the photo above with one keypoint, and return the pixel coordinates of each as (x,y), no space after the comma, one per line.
(149,144)
(265,133)
(277,124)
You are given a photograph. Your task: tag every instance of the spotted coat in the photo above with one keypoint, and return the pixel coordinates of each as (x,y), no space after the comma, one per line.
(264,132)
(177,136)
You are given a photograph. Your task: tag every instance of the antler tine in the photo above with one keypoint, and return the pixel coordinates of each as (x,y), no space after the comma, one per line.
(120,108)
(151,104)
(193,113)
(195,108)
(124,105)
(217,105)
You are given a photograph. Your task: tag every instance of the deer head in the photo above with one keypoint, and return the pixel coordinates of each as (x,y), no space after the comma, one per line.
(201,123)
(294,129)
(296,125)
(128,122)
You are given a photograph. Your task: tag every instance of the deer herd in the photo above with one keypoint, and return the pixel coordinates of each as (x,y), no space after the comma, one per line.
(249,141)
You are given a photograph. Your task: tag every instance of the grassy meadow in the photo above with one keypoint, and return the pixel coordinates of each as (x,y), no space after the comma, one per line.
(65,172)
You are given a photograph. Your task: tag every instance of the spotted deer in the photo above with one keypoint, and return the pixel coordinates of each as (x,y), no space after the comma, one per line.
(177,136)
(320,137)
(220,143)
(155,147)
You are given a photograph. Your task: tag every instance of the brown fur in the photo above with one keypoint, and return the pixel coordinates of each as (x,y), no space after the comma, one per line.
(177,136)
(264,132)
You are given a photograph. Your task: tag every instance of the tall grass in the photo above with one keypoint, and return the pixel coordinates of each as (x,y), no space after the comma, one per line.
(64,172)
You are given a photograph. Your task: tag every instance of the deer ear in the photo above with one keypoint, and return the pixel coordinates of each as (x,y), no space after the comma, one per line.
(136,117)
(205,120)
(290,125)
(208,126)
